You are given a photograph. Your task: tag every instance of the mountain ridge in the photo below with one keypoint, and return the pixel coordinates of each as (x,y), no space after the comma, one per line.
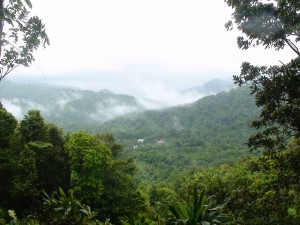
(210,131)
(81,106)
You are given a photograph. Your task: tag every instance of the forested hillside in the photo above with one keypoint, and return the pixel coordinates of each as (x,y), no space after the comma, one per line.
(210,131)
(229,158)
(227,110)
(92,170)
(75,109)
(68,107)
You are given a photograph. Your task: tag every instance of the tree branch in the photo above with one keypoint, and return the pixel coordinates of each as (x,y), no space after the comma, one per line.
(292,46)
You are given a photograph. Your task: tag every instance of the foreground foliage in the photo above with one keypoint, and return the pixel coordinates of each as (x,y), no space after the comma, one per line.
(60,208)
(198,210)
(36,157)
(20,35)
(272,24)
(261,190)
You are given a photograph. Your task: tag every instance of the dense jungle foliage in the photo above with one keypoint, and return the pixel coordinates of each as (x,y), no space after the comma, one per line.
(210,131)
(50,177)
(76,109)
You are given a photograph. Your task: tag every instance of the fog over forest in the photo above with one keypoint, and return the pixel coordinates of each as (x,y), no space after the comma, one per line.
(104,107)
(149,112)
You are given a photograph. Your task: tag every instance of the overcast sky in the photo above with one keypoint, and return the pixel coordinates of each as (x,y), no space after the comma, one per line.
(135,46)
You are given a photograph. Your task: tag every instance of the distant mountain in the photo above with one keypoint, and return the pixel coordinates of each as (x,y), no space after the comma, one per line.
(72,108)
(213,87)
(210,131)
(68,107)
(227,110)
(106,91)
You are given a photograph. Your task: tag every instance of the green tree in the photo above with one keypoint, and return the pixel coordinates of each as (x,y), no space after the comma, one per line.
(272,24)
(109,140)
(8,125)
(60,158)
(24,194)
(33,127)
(20,35)
(261,191)
(29,161)
(120,197)
(8,162)
(50,161)
(17,167)
(88,161)
(161,194)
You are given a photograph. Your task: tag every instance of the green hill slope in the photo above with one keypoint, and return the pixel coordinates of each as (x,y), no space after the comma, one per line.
(69,108)
(210,131)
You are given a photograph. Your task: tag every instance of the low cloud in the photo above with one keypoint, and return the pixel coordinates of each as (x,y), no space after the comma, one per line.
(158,95)
(66,98)
(19,107)
(13,108)
(103,114)
(149,94)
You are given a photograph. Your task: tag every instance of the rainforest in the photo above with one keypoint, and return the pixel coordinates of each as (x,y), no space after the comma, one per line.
(231,156)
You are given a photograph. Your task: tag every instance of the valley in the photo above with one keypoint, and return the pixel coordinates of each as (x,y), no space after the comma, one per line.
(210,131)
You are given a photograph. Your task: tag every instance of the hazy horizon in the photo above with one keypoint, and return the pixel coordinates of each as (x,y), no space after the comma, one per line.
(134,46)
(154,97)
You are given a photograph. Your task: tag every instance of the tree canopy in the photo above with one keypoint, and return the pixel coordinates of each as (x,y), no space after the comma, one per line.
(272,24)
(20,35)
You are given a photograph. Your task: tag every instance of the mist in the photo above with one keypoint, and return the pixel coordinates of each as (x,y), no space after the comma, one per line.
(69,105)
(157,95)
(19,107)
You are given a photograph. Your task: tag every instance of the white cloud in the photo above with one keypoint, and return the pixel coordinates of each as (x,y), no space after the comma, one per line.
(112,112)
(19,107)
(100,44)
(12,107)
(156,95)
(108,35)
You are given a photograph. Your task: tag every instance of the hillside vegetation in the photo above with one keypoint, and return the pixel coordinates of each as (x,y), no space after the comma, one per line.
(93,170)
(185,165)
(210,131)
(75,109)
(69,107)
